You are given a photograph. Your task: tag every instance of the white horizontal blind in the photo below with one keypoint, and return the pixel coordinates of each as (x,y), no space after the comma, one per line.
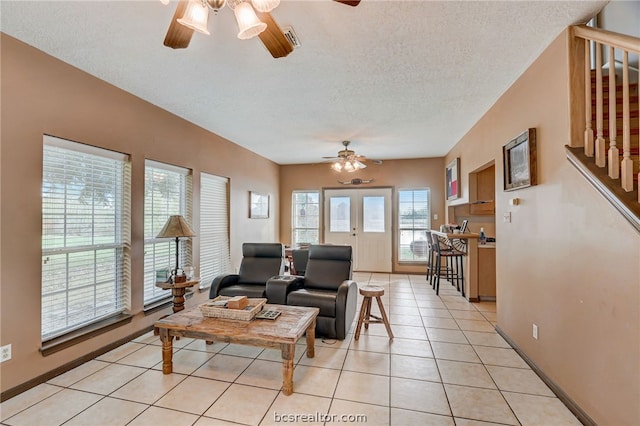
(414,219)
(305,217)
(215,258)
(167,191)
(85,235)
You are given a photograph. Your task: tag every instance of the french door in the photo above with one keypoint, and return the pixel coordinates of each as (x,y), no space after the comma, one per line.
(360,218)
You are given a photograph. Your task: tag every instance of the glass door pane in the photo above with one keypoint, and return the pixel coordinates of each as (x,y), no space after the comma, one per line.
(373,214)
(340,214)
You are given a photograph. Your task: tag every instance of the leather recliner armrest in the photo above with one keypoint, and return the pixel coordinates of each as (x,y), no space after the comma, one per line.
(280,285)
(221,281)
(346,306)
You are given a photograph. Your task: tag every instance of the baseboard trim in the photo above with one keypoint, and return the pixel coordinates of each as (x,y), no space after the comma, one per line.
(562,396)
(10,393)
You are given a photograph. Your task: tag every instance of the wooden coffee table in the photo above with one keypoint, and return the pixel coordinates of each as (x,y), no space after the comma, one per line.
(281,333)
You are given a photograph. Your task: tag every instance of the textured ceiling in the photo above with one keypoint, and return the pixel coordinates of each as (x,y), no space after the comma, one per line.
(401,79)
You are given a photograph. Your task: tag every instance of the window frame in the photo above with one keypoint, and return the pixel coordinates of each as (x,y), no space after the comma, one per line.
(109,280)
(214,238)
(400,228)
(165,260)
(294,205)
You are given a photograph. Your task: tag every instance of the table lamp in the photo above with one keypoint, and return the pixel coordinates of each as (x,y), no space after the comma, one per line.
(176,227)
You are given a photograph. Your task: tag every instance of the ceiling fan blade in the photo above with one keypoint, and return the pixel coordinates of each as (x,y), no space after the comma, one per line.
(353,3)
(178,36)
(273,37)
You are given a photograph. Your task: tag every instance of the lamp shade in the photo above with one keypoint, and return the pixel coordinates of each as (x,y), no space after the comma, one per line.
(265,5)
(196,16)
(248,23)
(176,227)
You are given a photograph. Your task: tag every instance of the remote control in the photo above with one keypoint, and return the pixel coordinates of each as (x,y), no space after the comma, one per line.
(268,315)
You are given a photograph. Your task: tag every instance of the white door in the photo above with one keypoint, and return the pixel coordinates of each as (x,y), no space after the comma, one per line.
(360,218)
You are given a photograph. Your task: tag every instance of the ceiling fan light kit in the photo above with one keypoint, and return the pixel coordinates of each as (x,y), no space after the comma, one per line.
(196,16)
(265,5)
(348,161)
(346,165)
(248,22)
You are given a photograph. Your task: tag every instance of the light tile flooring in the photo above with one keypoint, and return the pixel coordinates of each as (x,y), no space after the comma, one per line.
(446,366)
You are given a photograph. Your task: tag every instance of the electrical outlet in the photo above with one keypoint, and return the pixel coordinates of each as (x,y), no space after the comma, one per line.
(506,218)
(5,353)
(535,331)
(435,216)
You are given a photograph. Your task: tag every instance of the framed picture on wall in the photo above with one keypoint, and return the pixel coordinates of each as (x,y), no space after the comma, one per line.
(453,179)
(519,158)
(258,205)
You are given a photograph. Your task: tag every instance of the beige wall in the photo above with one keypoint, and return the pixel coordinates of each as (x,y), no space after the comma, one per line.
(568,262)
(398,174)
(43,95)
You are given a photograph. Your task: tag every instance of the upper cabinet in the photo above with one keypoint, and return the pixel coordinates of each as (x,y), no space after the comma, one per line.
(482,191)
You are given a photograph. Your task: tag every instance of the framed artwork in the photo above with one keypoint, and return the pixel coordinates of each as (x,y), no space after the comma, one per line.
(519,160)
(453,179)
(258,205)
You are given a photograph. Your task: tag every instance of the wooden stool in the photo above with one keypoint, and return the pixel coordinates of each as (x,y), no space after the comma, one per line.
(365,311)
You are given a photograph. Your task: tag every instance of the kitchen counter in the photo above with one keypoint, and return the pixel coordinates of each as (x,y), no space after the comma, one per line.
(479,267)
(471,262)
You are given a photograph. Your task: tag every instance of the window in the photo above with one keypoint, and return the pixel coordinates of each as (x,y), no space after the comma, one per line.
(85,235)
(167,191)
(305,217)
(414,219)
(215,257)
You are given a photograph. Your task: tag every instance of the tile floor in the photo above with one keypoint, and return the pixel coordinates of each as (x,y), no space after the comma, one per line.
(446,366)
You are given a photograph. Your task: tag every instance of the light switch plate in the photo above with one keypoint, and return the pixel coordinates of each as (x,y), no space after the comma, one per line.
(506,218)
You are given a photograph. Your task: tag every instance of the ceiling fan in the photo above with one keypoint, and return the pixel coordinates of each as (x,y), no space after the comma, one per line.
(348,161)
(253,19)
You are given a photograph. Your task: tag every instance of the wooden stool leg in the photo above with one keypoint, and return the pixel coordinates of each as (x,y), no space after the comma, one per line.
(360,318)
(367,315)
(384,317)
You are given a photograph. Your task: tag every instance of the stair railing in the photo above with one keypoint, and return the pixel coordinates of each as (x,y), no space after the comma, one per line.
(607,156)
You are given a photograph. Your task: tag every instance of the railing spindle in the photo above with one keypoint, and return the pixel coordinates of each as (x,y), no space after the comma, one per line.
(588,133)
(600,142)
(614,153)
(626,172)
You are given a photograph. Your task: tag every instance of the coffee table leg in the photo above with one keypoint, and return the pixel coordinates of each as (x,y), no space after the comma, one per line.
(167,351)
(311,340)
(288,352)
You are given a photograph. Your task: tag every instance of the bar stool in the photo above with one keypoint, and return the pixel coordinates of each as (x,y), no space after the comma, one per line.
(368,292)
(451,255)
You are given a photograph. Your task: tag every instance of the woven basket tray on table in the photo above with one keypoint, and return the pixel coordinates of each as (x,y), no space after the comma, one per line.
(247,314)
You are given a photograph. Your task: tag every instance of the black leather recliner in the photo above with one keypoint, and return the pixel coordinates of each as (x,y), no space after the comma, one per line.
(300,259)
(327,285)
(260,262)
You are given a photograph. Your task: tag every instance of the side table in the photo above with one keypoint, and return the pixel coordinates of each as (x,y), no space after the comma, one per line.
(177,291)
